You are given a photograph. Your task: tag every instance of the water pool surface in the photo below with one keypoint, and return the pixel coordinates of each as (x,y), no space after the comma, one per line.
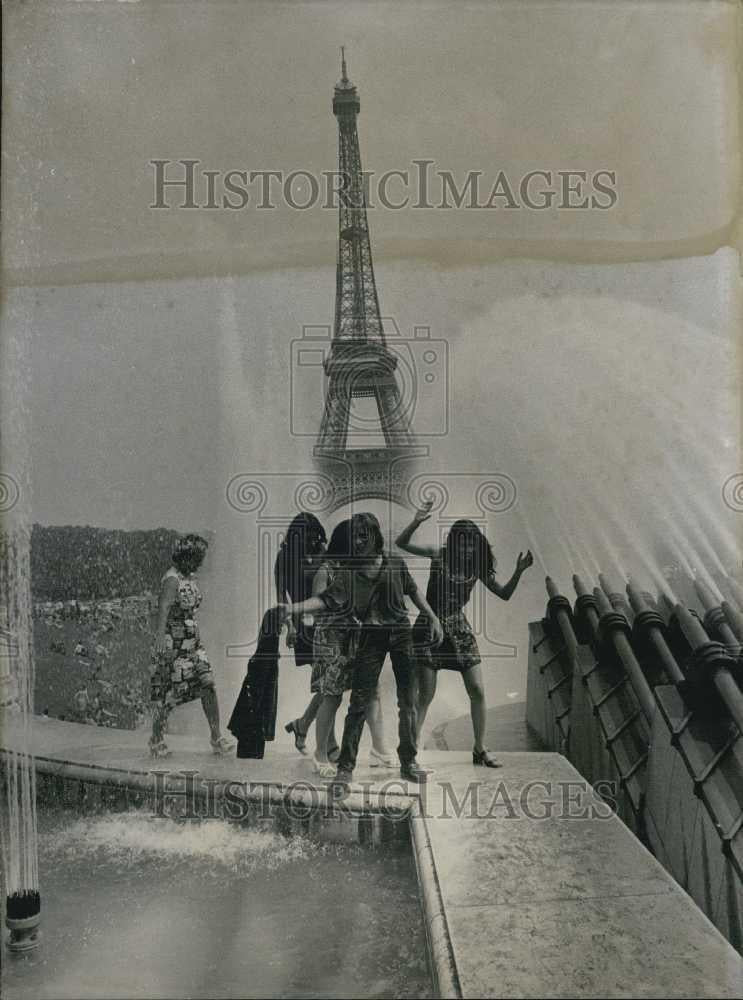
(134,906)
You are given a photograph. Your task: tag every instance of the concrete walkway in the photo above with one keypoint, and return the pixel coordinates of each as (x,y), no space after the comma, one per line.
(530,887)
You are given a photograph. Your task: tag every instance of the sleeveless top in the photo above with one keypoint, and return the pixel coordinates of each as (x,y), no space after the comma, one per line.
(446,594)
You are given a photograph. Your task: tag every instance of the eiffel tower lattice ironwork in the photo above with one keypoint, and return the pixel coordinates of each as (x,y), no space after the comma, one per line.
(360,364)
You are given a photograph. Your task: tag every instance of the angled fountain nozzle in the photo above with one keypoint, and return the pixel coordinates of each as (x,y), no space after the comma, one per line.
(705,595)
(737,591)
(666,605)
(602,601)
(580,587)
(637,598)
(551,586)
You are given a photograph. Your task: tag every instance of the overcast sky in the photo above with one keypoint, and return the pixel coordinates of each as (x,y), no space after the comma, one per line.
(94,91)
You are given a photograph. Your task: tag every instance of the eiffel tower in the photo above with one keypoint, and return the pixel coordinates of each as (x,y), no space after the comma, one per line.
(360,364)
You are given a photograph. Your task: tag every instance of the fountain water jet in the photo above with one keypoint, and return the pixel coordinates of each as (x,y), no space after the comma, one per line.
(18,822)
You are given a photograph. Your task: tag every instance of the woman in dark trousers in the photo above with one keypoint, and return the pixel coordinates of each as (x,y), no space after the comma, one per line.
(464,559)
(297,562)
(371,591)
(333,666)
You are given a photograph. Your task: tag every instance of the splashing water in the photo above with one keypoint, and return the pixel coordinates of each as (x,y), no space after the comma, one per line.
(129,838)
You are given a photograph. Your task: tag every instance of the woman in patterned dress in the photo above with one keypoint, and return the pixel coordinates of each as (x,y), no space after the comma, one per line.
(181,671)
(465,558)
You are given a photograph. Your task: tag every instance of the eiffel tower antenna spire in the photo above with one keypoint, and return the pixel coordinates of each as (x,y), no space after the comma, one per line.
(344,74)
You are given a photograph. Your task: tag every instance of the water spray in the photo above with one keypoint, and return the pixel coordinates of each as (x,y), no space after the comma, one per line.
(18,816)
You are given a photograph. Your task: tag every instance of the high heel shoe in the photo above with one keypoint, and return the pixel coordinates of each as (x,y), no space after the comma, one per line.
(300,738)
(484,758)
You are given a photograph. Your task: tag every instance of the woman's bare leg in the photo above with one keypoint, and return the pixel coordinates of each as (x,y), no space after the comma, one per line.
(375,722)
(310,714)
(211,710)
(159,718)
(324,726)
(473,682)
(426,691)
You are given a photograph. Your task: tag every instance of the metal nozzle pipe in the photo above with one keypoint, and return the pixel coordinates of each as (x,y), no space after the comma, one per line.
(587,618)
(650,624)
(560,612)
(713,660)
(615,627)
(734,619)
(737,591)
(616,598)
(715,620)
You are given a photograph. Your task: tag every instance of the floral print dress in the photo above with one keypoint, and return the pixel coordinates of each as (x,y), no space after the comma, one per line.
(182,671)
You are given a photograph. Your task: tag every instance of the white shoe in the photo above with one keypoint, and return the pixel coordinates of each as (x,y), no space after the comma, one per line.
(324,768)
(380,759)
(222,746)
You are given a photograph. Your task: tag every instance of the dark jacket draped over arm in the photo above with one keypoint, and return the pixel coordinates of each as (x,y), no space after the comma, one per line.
(253,719)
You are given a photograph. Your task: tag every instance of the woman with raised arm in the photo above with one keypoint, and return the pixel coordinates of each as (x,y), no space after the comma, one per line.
(465,558)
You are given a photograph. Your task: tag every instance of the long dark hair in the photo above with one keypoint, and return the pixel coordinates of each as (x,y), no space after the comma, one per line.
(340,546)
(465,529)
(304,535)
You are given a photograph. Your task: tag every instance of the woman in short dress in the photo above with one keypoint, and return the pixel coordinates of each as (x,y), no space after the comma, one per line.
(332,668)
(181,671)
(465,558)
(297,562)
